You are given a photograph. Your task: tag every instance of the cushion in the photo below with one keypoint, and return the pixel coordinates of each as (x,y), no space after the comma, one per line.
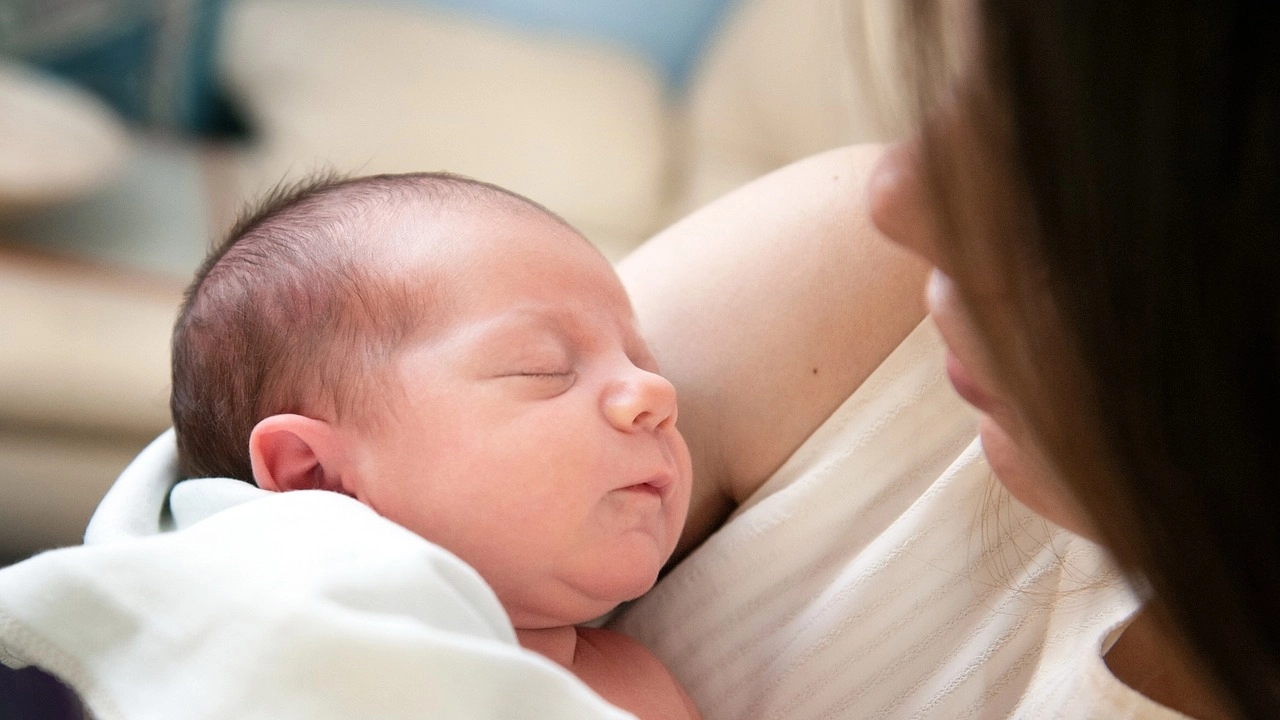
(367,88)
(56,141)
(84,373)
(783,80)
(669,34)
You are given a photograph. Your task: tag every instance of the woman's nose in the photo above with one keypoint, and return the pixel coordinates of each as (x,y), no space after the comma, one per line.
(897,196)
(640,400)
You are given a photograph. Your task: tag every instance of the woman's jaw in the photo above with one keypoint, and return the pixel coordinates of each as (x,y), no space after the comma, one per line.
(1013,455)
(901,210)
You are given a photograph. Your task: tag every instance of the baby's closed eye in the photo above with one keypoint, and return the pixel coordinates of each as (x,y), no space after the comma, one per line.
(541,383)
(546,375)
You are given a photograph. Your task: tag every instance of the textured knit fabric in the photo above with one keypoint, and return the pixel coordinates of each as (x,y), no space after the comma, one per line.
(882,572)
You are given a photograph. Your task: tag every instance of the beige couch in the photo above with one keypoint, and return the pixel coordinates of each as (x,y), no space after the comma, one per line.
(586,129)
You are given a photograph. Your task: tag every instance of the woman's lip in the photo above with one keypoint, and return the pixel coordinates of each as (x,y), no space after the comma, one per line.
(964,384)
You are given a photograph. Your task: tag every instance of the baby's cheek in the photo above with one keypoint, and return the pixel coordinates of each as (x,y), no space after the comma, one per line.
(677,507)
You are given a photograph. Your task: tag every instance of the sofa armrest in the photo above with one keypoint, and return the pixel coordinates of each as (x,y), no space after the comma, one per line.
(83,386)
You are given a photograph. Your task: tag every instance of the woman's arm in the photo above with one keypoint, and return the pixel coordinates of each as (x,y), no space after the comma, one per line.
(768,308)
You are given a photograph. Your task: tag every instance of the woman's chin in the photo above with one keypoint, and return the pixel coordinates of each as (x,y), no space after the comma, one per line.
(1028,479)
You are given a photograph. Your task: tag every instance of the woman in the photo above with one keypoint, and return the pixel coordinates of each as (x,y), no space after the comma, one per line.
(1114,309)
(1098,196)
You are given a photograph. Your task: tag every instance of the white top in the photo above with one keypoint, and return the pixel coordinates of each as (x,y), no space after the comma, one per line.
(882,572)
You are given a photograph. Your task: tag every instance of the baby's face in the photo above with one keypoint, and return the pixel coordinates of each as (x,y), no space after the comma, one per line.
(530,434)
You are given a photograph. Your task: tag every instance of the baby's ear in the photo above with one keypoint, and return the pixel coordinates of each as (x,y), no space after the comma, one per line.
(294,452)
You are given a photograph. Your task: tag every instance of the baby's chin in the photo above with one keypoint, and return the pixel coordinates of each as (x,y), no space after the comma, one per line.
(573,603)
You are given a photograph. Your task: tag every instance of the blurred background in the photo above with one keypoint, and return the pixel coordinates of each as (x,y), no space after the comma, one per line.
(132,132)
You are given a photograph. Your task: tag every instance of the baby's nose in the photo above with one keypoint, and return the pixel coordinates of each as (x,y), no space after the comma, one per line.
(640,401)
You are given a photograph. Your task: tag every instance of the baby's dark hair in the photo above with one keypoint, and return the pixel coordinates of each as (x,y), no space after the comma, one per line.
(298,308)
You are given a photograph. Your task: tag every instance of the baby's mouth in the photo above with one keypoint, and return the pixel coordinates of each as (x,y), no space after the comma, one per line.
(656,485)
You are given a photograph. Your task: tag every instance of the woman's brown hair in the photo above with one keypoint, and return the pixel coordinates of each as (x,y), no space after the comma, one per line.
(1127,161)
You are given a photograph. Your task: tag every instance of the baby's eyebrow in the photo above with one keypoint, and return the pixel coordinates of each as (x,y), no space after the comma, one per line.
(519,326)
(563,327)
(523,319)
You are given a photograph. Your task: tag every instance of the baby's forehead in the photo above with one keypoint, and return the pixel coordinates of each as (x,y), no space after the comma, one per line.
(501,302)
(448,252)
(425,227)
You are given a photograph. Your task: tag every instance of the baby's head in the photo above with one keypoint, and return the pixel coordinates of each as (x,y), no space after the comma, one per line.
(453,356)
(299,310)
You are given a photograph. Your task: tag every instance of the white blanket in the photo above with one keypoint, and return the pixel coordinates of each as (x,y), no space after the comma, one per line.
(262,605)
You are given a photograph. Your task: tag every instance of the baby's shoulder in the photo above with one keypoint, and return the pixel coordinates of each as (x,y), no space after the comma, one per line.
(626,674)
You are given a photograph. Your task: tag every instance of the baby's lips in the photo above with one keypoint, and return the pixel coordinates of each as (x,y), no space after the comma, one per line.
(657,484)
(661,481)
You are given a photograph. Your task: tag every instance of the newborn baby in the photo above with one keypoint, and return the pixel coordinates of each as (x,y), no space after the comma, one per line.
(465,363)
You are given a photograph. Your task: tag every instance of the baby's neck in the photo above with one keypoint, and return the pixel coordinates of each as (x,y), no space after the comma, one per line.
(559,644)
(618,668)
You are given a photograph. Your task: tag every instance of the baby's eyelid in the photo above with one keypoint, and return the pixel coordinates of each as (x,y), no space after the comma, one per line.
(562,373)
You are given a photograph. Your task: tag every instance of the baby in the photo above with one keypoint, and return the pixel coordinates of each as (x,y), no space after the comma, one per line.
(462,361)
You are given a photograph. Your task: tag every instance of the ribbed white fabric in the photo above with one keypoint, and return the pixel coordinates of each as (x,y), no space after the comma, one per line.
(881,572)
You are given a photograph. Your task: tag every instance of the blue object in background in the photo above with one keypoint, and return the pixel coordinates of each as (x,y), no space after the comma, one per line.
(151,60)
(671,34)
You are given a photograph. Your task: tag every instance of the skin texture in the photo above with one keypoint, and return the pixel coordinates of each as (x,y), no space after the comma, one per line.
(526,430)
